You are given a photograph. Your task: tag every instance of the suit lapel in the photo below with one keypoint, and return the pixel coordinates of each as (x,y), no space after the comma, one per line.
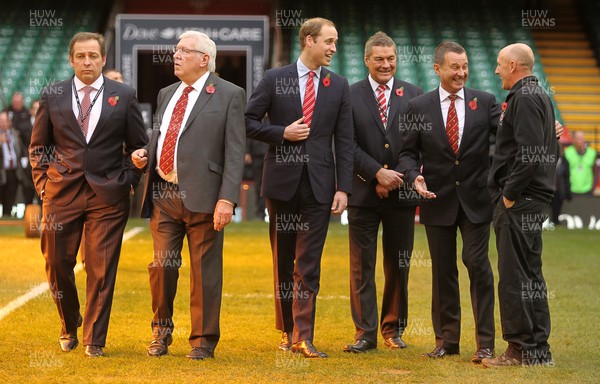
(395,102)
(438,119)
(66,107)
(203,98)
(369,99)
(322,92)
(106,109)
(294,81)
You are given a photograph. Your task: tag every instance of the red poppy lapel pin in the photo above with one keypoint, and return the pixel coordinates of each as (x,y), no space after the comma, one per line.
(210,88)
(327,80)
(113,100)
(400,91)
(473,104)
(504,105)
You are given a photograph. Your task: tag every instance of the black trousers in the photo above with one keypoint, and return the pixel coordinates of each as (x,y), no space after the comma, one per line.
(445,305)
(522,290)
(8,192)
(297,230)
(398,237)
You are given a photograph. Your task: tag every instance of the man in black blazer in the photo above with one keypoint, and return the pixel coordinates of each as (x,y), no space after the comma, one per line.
(454,186)
(195,161)
(521,182)
(303,182)
(84,132)
(379,104)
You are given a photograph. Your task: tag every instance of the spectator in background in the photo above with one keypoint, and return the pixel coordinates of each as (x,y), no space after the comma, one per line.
(562,185)
(113,74)
(581,158)
(35,105)
(11,170)
(20,117)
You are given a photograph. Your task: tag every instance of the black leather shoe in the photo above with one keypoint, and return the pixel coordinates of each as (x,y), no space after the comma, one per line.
(395,342)
(199,353)
(359,346)
(307,348)
(93,351)
(68,341)
(482,353)
(440,352)
(285,344)
(160,346)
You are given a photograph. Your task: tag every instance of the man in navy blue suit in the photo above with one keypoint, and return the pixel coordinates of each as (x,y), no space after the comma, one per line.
(307,173)
(379,105)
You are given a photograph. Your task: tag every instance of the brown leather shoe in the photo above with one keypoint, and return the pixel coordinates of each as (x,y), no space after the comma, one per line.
(160,346)
(68,341)
(93,351)
(307,348)
(395,342)
(482,353)
(501,361)
(440,352)
(285,344)
(360,346)
(199,353)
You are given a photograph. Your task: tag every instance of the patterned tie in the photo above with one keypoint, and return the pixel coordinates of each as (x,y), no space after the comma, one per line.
(309,99)
(85,112)
(167,156)
(452,125)
(382,103)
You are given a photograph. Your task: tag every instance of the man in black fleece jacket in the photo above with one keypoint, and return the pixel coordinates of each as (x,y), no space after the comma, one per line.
(521,183)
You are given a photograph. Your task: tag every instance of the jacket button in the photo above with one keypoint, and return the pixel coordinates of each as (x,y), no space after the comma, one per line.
(458,183)
(385,166)
(386,145)
(456,162)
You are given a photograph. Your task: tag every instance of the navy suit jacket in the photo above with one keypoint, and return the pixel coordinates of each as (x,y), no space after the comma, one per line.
(454,179)
(61,160)
(278,95)
(376,145)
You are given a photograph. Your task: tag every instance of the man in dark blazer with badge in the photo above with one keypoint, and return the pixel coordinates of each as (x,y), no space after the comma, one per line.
(84,132)
(194,161)
(453,143)
(307,173)
(379,195)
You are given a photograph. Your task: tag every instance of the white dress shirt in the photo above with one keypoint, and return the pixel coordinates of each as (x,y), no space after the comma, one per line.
(459,103)
(303,77)
(166,120)
(96,108)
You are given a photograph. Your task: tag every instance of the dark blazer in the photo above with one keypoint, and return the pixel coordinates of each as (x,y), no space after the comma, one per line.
(20,151)
(211,148)
(453,179)
(377,148)
(60,157)
(278,96)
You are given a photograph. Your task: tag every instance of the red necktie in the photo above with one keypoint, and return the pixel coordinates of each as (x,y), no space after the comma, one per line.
(452,125)
(167,156)
(309,99)
(85,112)
(382,103)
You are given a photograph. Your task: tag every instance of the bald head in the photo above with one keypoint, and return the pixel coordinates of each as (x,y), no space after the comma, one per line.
(521,54)
(515,61)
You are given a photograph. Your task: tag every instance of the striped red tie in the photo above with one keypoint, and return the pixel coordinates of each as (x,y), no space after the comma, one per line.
(167,156)
(308,106)
(452,125)
(382,103)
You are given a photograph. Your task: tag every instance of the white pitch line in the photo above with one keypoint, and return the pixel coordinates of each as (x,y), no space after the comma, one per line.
(43,287)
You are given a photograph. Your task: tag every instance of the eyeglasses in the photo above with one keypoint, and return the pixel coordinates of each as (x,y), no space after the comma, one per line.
(186,51)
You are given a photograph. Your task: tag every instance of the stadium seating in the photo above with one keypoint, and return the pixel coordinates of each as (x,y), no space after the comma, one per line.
(34,45)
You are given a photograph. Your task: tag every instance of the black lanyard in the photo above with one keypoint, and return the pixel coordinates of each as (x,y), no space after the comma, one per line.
(91,105)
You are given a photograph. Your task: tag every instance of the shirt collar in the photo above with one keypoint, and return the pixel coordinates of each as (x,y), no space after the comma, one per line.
(198,84)
(97,84)
(374,84)
(303,69)
(444,94)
